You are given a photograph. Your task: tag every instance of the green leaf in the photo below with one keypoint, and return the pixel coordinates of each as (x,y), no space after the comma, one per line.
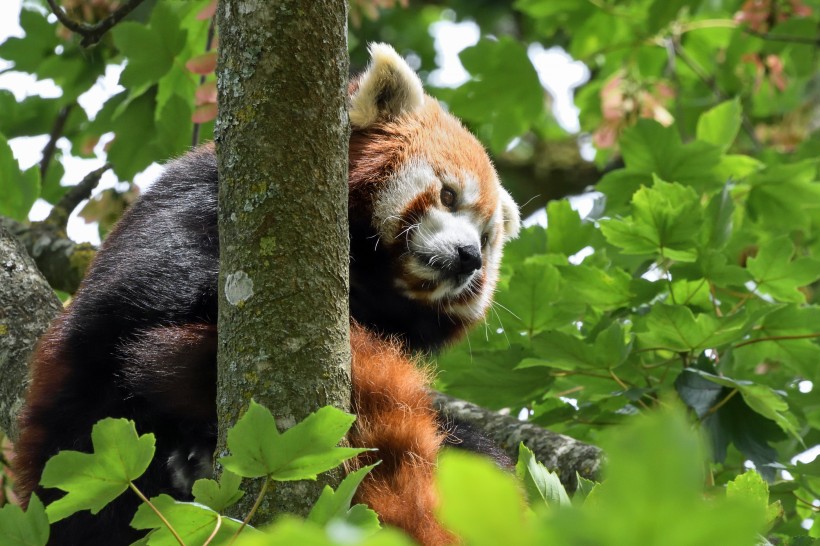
(474,368)
(784,197)
(750,487)
(503,94)
(594,286)
(291,531)
(666,220)
(737,167)
(481,503)
(300,453)
(655,474)
(33,116)
(218,495)
(18,190)
(530,301)
(676,328)
(179,80)
(698,393)
(717,226)
(566,232)
(134,146)
(38,44)
(720,125)
(649,147)
(583,490)
(762,399)
(336,504)
(29,528)
(149,49)
(544,488)
(92,480)
(778,275)
(566,352)
(193,522)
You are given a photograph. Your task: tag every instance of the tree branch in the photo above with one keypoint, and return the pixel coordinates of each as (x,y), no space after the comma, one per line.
(93,33)
(62,261)
(53,137)
(559,453)
(58,217)
(27,306)
(555,170)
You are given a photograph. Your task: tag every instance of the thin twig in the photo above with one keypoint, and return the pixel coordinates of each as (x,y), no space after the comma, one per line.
(777,338)
(208,43)
(723,402)
(53,137)
(66,205)
(157,512)
(815,41)
(93,33)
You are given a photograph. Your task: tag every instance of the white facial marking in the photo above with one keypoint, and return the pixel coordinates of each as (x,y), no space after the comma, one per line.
(391,201)
(431,243)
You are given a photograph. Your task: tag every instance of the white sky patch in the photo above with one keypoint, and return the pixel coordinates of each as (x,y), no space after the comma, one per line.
(449,39)
(106,86)
(560,74)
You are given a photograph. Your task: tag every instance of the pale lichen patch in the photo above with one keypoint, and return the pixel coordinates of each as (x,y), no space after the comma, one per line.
(238,288)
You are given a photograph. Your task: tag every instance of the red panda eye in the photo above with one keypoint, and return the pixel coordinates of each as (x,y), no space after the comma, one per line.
(448,197)
(484,239)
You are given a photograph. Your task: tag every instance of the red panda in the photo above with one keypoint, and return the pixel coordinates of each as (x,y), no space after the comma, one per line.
(428,220)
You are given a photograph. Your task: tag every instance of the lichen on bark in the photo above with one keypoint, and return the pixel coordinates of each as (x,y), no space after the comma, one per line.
(27,306)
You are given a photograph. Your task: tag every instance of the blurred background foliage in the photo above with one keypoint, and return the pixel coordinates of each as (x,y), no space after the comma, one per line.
(684,262)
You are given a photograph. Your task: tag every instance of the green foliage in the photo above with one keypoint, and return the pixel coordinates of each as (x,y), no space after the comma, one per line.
(300,453)
(92,480)
(218,495)
(18,190)
(29,528)
(542,486)
(701,274)
(336,505)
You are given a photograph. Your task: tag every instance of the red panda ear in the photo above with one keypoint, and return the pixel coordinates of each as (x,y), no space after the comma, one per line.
(511,216)
(387,88)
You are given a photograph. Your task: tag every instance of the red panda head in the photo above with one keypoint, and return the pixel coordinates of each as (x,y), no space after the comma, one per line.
(431,193)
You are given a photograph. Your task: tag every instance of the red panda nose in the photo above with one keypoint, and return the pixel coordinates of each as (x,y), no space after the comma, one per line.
(469,259)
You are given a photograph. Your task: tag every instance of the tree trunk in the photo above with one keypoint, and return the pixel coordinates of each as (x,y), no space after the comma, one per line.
(27,306)
(282,138)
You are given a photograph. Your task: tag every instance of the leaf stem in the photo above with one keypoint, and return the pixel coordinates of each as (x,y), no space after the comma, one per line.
(215,531)
(157,512)
(723,402)
(777,338)
(253,509)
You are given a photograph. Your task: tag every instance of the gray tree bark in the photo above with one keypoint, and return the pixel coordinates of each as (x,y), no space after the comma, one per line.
(27,306)
(282,137)
(560,454)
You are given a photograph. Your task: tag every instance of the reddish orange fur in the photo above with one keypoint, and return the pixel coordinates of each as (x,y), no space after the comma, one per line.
(429,134)
(29,456)
(395,416)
